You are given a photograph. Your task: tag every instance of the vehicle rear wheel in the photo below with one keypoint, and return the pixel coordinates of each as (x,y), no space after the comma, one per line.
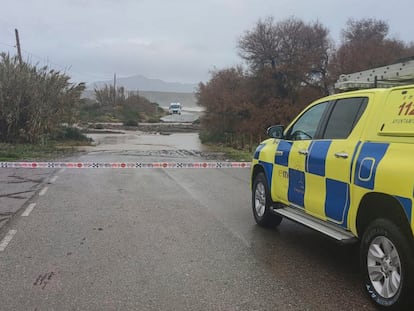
(387,263)
(261,203)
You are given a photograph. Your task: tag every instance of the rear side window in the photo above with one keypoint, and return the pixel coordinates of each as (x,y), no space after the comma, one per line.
(344,116)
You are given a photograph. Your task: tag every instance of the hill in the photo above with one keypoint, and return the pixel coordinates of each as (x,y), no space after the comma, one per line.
(141,83)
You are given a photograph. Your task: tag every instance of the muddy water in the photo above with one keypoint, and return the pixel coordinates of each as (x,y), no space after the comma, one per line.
(133,140)
(184,117)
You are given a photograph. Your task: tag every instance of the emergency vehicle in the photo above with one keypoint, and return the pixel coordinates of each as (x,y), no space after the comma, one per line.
(345,167)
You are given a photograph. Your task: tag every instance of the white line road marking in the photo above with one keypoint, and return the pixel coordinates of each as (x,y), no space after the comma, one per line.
(43,191)
(61,170)
(53,179)
(29,209)
(7,239)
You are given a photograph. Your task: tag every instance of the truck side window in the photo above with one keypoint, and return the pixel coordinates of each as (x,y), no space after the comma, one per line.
(344,116)
(307,125)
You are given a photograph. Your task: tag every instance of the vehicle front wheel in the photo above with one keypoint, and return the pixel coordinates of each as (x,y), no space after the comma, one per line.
(261,203)
(387,263)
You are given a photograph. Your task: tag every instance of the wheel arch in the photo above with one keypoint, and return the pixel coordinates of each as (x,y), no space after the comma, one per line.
(256,170)
(375,205)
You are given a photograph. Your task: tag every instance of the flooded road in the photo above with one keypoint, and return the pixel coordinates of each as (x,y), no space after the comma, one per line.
(184,117)
(133,140)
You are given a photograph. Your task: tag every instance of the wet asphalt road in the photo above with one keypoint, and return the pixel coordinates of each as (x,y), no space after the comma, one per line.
(166,239)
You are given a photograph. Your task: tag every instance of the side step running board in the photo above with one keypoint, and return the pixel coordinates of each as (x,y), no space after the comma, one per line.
(326,228)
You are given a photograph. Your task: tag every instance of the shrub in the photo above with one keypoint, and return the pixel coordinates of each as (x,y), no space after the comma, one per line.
(69,133)
(34,101)
(210,137)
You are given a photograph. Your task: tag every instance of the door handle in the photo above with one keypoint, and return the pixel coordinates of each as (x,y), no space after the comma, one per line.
(341,155)
(303,152)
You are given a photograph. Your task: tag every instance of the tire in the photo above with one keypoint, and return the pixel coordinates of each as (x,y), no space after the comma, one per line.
(387,264)
(261,203)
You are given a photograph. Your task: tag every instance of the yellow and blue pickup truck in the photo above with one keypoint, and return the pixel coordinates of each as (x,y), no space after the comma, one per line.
(345,167)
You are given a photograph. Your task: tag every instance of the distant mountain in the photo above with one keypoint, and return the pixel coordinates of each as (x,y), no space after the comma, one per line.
(141,83)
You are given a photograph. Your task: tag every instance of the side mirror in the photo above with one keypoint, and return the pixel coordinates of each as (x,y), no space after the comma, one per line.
(275,131)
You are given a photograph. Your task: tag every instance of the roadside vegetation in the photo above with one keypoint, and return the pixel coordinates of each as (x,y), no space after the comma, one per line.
(230,152)
(49,151)
(37,108)
(288,64)
(121,106)
(61,142)
(34,102)
(40,111)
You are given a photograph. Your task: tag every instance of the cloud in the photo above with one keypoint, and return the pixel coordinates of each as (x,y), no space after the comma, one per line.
(181,40)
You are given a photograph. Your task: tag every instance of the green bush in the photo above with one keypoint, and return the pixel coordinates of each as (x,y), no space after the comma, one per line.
(13,152)
(69,133)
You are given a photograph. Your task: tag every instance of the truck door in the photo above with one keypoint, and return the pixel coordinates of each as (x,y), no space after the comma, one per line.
(291,155)
(329,161)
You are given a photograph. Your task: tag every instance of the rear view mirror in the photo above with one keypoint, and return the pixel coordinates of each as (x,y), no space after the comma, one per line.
(275,131)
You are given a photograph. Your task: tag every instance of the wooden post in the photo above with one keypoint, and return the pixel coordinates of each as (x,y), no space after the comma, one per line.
(19,52)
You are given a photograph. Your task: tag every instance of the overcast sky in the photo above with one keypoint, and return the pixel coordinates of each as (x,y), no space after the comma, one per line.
(176,40)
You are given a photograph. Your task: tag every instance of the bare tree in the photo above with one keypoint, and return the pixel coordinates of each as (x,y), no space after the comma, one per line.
(290,64)
(260,46)
(365,30)
(226,101)
(296,52)
(366,44)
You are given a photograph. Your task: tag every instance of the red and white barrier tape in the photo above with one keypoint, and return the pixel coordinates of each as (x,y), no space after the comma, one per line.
(78,165)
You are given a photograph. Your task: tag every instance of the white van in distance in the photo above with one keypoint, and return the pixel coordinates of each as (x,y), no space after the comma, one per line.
(175,108)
